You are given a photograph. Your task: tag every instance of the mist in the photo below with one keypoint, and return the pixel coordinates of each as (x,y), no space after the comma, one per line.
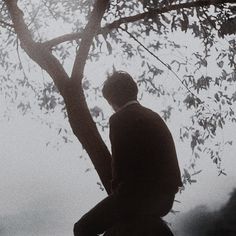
(45,188)
(201,221)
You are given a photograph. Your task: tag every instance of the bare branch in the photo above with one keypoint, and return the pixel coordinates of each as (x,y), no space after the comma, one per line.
(89,32)
(61,39)
(152,12)
(36,51)
(130,19)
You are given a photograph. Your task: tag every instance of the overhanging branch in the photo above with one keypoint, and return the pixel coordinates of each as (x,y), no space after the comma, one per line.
(36,51)
(89,32)
(79,116)
(174,7)
(130,19)
(61,39)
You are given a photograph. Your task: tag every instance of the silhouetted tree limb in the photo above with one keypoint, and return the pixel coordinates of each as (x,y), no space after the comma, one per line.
(130,19)
(61,39)
(70,88)
(79,116)
(35,50)
(87,37)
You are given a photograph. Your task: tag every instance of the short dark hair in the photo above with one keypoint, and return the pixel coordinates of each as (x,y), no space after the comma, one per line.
(120,88)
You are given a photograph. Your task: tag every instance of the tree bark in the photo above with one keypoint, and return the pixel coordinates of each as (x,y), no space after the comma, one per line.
(79,116)
(86,131)
(71,90)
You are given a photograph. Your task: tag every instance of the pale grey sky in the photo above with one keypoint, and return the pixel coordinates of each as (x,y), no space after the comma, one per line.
(44,189)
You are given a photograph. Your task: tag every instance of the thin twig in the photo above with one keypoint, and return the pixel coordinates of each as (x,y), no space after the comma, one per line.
(163,63)
(50,11)
(34,17)
(32,21)
(19,58)
(208,18)
(21,64)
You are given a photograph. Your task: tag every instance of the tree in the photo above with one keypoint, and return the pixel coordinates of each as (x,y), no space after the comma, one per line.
(102,22)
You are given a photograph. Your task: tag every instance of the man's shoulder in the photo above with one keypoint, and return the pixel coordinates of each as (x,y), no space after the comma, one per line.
(142,112)
(132,113)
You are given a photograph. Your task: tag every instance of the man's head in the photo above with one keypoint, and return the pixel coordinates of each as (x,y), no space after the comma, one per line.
(119,88)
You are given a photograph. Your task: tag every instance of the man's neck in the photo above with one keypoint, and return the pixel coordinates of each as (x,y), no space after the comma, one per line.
(127,104)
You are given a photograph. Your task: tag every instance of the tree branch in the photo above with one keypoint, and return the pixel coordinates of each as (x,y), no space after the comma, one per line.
(79,116)
(87,37)
(162,62)
(61,39)
(130,19)
(152,12)
(36,51)
(166,65)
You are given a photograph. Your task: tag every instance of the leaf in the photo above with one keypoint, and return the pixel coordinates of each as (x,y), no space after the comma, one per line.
(184,23)
(86,85)
(192,181)
(220,64)
(173,24)
(186,174)
(193,143)
(221,172)
(109,47)
(233,97)
(228,27)
(197,172)
(59,131)
(229,142)
(196,155)
(220,124)
(96,111)
(217,97)
(165,19)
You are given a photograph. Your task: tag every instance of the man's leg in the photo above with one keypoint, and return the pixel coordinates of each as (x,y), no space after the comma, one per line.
(119,207)
(102,216)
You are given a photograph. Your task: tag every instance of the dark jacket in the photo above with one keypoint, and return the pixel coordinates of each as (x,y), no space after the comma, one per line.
(143,150)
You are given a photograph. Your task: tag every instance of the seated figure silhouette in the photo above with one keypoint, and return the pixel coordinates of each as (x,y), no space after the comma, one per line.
(145,170)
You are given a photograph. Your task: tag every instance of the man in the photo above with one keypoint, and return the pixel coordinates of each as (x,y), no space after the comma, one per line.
(145,169)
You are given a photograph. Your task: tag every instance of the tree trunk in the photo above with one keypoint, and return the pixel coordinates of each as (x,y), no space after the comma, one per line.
(79,116)
(86,131)
(80,119)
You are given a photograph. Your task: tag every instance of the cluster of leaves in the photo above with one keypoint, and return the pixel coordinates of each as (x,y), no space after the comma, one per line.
(207,96)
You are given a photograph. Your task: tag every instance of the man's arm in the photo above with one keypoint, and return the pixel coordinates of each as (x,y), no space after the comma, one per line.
(121,147)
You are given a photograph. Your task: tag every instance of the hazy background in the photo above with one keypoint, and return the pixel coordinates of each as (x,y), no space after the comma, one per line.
(48,182)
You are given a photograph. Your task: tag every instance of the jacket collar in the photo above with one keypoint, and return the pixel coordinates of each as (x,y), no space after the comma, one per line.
(127,104)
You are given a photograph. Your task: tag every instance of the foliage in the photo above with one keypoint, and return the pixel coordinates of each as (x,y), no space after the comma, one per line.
(202,78)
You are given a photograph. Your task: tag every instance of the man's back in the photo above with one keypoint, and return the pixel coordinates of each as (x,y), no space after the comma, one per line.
(143,150)
(145,170)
